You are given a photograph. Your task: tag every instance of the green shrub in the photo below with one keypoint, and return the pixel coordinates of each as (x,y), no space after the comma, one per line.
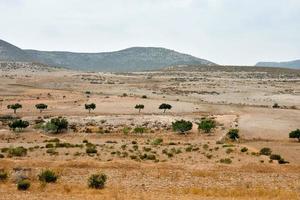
(182,126)
(265,151)
(226,161)
(97,181)
(233,134)
(23,184)
(56,125)
(126,130)
(139,129)
(282,161)
(244,149)
(157,141)
(3,175)
(18,125)
(295,134)
(91,149)
(275,157)
(228,151)
(206,125)
(48,176)
(18,151)
(49,145)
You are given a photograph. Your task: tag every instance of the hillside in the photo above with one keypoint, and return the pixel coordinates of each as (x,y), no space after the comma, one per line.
(290,64)
(131,59)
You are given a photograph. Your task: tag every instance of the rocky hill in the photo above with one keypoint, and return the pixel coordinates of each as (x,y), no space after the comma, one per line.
(131,59)
(290,64)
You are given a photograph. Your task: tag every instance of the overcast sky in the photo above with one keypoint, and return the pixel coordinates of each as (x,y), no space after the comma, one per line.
(223,31)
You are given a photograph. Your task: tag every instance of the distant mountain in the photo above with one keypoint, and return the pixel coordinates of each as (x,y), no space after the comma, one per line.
(290,64)
(131,59)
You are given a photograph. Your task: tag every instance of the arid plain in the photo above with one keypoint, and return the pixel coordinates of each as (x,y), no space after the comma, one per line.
(155,163)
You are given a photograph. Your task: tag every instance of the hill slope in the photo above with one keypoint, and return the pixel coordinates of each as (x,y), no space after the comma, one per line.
(290,64)
(131,59)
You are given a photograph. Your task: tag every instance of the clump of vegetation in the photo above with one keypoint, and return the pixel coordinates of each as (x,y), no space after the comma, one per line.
(52,151)
(23,184)
(275,105)
(56,125)
(265,151)
(18,152)
(126,130)
(90,107)
(226,161)
(157,141)
(275,157)
(165,107)
(48,176)
(14,107)
(139,107)
(18,125)
(144,97)
(228,151)
(97,181)
(41,106)
(139,129)
(91,149)
(182,126)
(3,175)
(244,149)
(295,134)
(206,125)
(233,134)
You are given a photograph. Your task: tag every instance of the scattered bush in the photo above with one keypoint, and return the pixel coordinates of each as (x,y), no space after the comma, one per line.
(18,152)
(157,141)
(265,151)
(295,134)
(91,149)
(23,184)
(3,175)
(139,129)
(47,176)
(18,125)
(233,134)
(226,161)
(275,105)
(244,149)
(275,157)
(56,125)
(207,125)
(182,126)
(97,181)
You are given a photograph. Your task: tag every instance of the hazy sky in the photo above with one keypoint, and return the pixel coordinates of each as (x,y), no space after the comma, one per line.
(223,31)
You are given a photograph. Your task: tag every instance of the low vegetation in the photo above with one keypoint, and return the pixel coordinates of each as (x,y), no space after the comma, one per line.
(97,181)
(182,126)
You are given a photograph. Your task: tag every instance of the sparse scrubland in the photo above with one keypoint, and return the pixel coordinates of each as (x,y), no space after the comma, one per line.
(179,133)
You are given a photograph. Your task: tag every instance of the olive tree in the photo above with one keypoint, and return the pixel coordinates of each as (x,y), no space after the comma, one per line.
(165,107)
(207,125)
(14,107)
(139,107)
(41,106)
(90,107)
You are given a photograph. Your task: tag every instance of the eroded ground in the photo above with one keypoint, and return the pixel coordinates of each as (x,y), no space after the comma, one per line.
(190,166)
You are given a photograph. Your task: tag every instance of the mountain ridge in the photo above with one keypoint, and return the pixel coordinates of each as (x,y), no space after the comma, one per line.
(129,59)
(294,64)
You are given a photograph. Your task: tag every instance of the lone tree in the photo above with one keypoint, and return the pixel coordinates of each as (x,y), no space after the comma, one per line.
(164,107)
(295,134)
(207,125)
(18,125)
(41,106)
(14,107)
(139,107)
(57,125)
(182,126)
(233,134)
(90,107)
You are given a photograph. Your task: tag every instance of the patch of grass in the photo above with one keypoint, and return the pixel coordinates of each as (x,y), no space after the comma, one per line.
(157,141)
(23,184)
(18,152)
(97,181)
(226,161)
(48,176)
(3,175)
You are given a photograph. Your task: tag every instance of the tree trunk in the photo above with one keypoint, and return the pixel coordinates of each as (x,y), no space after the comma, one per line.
(15,111)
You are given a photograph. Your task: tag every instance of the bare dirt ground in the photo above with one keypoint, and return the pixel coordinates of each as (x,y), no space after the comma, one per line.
(187,166)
